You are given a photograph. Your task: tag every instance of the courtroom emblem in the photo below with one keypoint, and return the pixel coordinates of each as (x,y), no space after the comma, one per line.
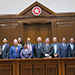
(36,11)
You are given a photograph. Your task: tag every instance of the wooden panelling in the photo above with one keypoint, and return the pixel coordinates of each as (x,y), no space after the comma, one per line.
(45,10)
(51,69)
(52,66)
(70,69)
(65,29)
(47,24)
(30,31)
(45,31)
(26,69)
(6,68)
(38,69)
(36,30)
(10,32)
(0,35)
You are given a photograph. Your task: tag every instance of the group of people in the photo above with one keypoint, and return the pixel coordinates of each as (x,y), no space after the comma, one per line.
(39,50)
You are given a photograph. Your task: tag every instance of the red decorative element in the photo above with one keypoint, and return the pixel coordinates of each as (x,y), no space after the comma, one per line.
(36,10)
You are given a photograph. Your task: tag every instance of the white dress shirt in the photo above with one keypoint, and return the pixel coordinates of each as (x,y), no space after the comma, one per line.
(55,48)
(3,47)
(29,47)
(71,45)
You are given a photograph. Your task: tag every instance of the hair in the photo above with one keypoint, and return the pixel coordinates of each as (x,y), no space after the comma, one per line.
(21,40)
(24,44)
(15,40)
(63,38)
(28,38)
(71,37)
(39,38)
(5,38)
(47,38)
(54,37)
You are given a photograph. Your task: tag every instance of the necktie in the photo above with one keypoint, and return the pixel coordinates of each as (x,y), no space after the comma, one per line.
(29,47)
(39,46)
(47,47)
(64,46)
(16,49)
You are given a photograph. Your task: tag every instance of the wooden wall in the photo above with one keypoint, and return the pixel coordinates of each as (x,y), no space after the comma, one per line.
(59,28)
(50,66)
(47,24)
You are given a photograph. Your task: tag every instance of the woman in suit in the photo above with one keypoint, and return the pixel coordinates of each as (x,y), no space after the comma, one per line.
(25,52)
(15,50)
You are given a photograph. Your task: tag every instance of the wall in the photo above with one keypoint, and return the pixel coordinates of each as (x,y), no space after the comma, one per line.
(16,6)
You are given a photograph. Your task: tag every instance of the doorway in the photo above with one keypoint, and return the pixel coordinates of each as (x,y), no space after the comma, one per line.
(35,30)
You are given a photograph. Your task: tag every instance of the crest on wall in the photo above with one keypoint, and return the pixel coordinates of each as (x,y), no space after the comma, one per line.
(36,9)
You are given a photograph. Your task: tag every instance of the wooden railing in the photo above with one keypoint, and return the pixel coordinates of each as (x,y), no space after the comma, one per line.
(42,66)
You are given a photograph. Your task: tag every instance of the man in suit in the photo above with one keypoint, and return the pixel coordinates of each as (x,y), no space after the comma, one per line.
(47,53)
(15,50)
(63,49)
(0,53)
(54,47)
(72,47)
(5,49)
(37,48)
(30,46)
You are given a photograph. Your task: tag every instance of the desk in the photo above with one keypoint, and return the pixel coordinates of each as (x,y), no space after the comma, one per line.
(42,66)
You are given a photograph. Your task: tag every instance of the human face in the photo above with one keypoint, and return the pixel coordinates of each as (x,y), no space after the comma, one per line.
(47,40)
(71,40)
(64,40)
(39,40)
(4,41)
(15,43)
(54,40)
(19,40)
(25,46)
(28,41)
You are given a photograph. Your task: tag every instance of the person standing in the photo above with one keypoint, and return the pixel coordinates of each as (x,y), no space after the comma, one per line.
(54,47)
(30,46)
(47,53)
(37,48)
(63,49)
(5,48)
(15,50)
(72,47)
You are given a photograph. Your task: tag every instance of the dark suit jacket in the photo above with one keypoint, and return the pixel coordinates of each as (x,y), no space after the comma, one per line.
(45,51)
(5,53)
(0,52)
(52,48)
(62,52)
(37,52)
(13,54)
(73,53)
